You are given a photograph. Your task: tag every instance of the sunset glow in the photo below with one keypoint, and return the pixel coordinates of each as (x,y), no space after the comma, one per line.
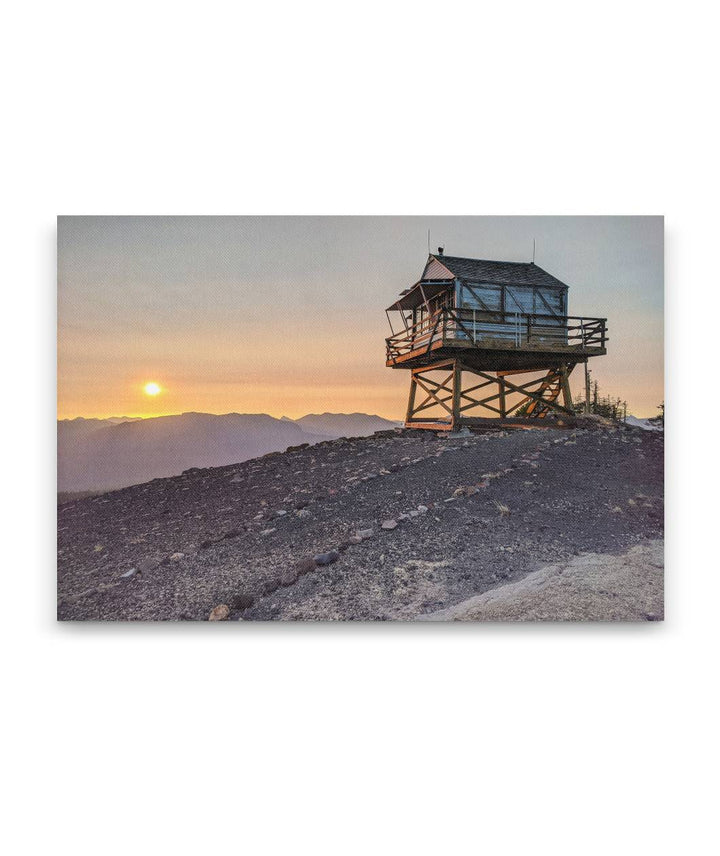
(285,315)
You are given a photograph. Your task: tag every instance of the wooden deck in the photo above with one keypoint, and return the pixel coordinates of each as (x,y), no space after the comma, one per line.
(497,340)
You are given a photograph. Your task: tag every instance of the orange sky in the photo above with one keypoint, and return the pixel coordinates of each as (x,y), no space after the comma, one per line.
(286,315)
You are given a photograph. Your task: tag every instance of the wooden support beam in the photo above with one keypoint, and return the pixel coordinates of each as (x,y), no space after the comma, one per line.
(501,396)
(447,393)
(411,399)
(432,395)
(438,386)
(457,385)
(533,395)
(443,364)
(567,395)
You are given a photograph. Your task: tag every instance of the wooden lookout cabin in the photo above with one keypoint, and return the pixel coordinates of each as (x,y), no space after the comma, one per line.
(503,323)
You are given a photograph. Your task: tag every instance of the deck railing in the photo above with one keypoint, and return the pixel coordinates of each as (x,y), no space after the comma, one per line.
(512,329)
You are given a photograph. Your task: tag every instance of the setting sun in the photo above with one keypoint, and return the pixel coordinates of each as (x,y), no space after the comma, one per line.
(152,388)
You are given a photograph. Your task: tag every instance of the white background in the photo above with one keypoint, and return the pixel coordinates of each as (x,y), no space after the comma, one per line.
(359,739)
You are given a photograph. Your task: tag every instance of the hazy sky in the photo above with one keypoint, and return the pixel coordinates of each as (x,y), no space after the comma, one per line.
(285,315)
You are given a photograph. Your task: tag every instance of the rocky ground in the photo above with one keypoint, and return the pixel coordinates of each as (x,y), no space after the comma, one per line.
(378,528)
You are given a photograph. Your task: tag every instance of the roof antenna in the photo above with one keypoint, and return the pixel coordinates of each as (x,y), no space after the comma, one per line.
(533,261)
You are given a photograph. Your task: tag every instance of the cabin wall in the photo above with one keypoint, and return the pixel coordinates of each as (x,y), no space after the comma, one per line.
(436,270)
(512,303)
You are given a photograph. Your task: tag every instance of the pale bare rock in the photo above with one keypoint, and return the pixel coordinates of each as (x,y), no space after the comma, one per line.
(219,613)
(590,587)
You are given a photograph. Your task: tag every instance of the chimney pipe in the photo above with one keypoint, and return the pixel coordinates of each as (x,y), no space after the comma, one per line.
(441,250)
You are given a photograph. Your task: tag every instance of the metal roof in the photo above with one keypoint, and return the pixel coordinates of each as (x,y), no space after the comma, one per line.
(505,273)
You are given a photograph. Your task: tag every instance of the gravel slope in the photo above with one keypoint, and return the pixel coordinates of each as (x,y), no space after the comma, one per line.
(499,506)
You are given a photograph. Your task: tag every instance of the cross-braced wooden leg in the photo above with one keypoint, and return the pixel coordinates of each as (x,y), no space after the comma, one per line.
(457,390)
(533,398)
(411,399)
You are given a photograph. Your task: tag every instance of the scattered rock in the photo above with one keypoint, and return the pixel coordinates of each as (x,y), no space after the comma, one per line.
(205,544)
(305,566)
(242,601)
(175,557)
(388,524)
(129,573)
(289,577)
(327,558)
(364,534)
(354,539)
(271,585)
(422,509)
(268,531)
(219,613)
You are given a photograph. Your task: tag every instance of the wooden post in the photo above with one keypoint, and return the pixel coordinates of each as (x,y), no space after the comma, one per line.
(587,387)
(501,397)
(565,381)
(456,389)
(411,399)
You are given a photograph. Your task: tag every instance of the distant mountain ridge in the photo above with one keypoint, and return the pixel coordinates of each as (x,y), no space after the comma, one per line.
(344,424)
(104,454)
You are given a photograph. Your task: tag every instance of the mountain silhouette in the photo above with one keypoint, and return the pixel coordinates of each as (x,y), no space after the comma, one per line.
(103,454)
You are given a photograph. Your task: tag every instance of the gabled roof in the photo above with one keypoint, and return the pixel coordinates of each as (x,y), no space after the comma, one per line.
(506,273)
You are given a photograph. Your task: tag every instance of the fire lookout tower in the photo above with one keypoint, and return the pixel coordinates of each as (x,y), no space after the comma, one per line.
(504,323)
